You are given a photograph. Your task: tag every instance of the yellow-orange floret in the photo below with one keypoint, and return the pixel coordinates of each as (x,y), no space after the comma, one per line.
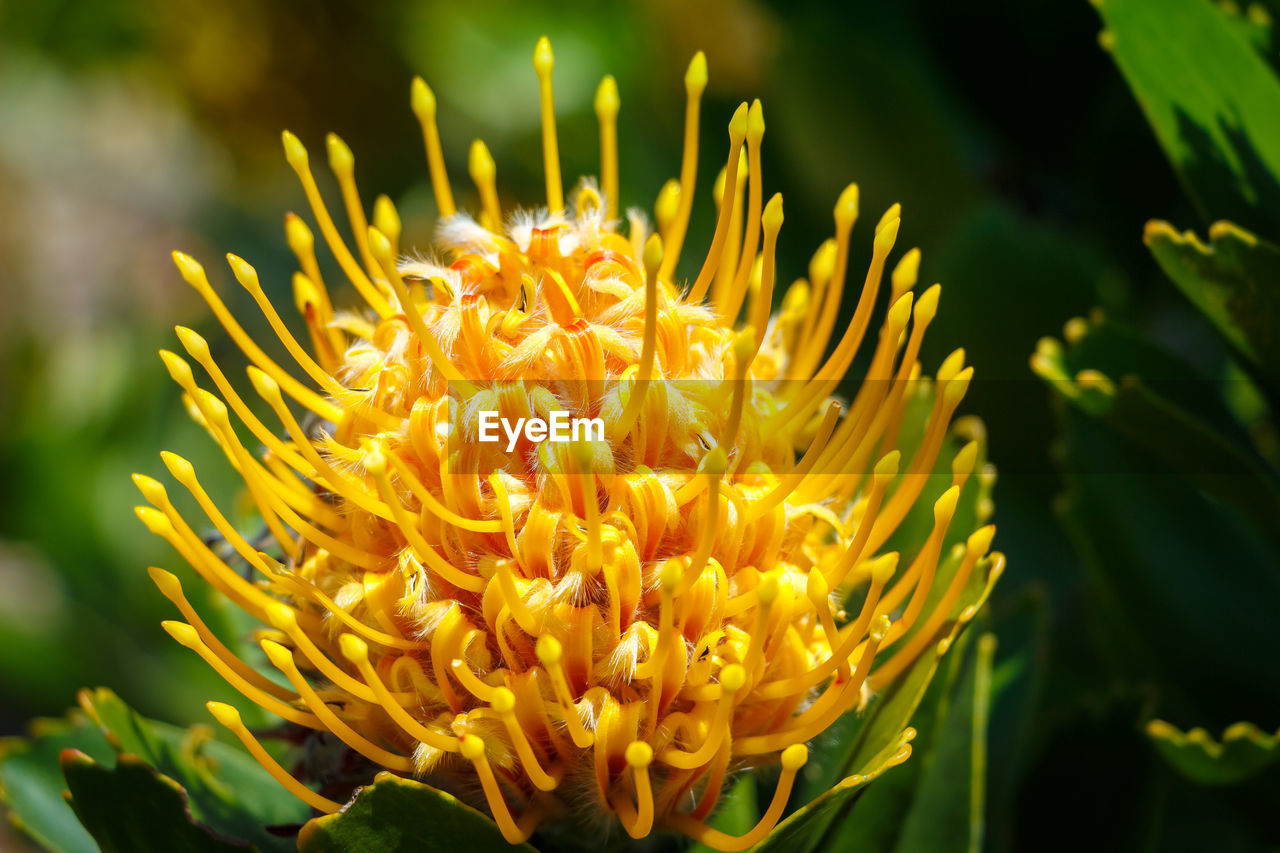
(626,618)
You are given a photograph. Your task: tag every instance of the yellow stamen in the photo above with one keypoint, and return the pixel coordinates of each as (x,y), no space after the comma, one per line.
(229,717)
(296,154)
(755,133)
(793,758)
(543,62)
(695,82)
(423,102)
(282,659)
(171,588)
(194,275)
(356,650)
(343,164)
(484,173)
(514,832)
(607,104)
(504,703)
(716,254)
(188,637)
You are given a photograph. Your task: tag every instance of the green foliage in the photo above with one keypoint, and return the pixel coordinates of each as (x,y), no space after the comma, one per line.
(124,764)
(1244,751)
(31,781)
(130,808)
(398,815)
(1212,101)
(1232,281)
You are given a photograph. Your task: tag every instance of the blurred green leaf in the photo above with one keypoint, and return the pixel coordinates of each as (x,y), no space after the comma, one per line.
(398,814)
(1213,102)
(1234,281)
(948,810)
(31,781)
(130,808)
(1245,750)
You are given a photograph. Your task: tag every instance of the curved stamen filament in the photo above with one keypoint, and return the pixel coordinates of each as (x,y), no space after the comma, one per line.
(357,651)
(194,275)
(343,164)
(549,653)
(788,481)
(229,717)
(296,154)
(638,821)
(188,637)
(282,659)
(732,678)
(793,758)
(171,588)
(503,702)
(514,832)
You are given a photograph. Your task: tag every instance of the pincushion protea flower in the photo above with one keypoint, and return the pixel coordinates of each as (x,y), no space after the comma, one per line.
(624,621)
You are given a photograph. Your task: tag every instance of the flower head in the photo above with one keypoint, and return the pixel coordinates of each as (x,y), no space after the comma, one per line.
(626,617)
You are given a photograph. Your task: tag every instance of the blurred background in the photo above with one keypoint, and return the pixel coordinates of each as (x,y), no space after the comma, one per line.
(1026,172)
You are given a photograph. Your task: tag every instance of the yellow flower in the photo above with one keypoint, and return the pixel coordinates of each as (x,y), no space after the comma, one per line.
(624,619)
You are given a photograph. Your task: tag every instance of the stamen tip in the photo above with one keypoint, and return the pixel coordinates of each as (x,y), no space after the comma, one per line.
(695,79)
(607,101)
(294,151)
(422,100)
(543,59)
(226,715)
(639,754)
(794,757)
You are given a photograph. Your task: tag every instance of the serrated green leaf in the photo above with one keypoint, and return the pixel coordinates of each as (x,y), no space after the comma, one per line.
(130,808)
(1234,281)
(398,814)
(1244,751)
(948,810)
(1213,102)
(227,789)
(31,782)
(1180,424)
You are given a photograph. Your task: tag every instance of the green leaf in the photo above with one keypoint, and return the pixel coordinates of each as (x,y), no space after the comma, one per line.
(948,810)
(1234,281)
(227,789)
(398,814)
(133,809)
(1213,102)
(1245,751)
(1208,450)
(31,781)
